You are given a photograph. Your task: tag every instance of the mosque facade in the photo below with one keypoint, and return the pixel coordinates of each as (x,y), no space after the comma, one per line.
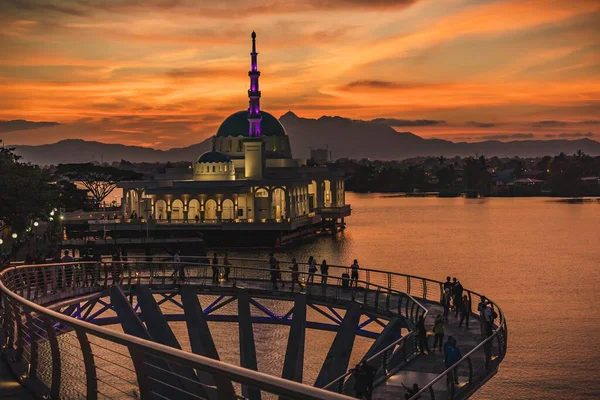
(248,181)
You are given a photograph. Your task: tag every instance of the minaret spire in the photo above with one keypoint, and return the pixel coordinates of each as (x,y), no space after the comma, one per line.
(254,115)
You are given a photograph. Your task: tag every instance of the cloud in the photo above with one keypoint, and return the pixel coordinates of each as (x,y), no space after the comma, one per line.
(46,6)
(548,124)
(407,122)
(481,124)
(204,72)
(375,84)
(216,9)
(23,125)
(570,135)
(510,136)
(553,123)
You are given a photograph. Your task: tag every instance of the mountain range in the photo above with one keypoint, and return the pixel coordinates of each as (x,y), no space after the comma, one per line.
(344,137)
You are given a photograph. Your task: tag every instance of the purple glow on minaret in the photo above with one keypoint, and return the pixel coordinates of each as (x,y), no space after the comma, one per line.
(254,116)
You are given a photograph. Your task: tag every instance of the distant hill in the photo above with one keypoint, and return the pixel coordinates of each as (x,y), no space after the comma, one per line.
(80,151)
(345,138)
(371,139)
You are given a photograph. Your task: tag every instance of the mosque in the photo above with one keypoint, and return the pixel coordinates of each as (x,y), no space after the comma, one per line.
(248,182)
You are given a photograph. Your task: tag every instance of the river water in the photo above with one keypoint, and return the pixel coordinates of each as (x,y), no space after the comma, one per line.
(537,258)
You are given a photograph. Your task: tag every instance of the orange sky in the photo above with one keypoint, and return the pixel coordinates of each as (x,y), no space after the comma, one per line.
(164,73)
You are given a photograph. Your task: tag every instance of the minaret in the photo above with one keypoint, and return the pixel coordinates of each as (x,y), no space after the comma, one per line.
(254,116)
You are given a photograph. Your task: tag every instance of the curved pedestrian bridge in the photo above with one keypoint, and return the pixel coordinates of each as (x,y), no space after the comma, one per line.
(100,330)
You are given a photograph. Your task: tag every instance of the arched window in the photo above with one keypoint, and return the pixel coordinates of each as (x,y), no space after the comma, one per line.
(214,168)
(240,146)
(229,147)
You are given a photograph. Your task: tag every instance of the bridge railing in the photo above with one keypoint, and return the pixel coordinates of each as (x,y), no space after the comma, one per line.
(43,283)
(387,361)
(480,363)
(416,286)
(490,350)
(64,357)
(474,368)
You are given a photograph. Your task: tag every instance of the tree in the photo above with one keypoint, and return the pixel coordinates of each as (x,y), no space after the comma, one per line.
(99,180)
(446,176)
(26,191)
(70,197)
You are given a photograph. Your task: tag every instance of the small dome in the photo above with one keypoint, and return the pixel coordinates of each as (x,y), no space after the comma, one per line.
(213,157)
(237,125)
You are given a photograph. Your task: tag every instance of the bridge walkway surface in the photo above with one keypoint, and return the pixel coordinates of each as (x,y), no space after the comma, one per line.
(424,368)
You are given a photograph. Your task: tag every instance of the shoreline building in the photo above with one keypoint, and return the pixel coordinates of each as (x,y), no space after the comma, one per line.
(247,182)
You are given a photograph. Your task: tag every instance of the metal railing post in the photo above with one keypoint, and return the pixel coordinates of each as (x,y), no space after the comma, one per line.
(90,366)
(55,356)
(33,346)
(8,322)
(140,371)
(19,332)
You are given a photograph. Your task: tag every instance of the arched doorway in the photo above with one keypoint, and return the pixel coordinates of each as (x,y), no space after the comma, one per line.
(210,210)
(177,210)
(131,203)
(160,210)
(193,210)
(312,195)
(327,193)
(278,203)
(261,204)
(227,210)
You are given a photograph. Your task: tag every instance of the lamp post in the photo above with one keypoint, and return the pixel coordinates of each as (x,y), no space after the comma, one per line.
(1,243)
(14,245)
(36,224)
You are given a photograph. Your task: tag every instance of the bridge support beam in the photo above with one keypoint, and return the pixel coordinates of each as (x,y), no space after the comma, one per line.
(247,345)
(294,355)
(161,332)
(201,340)
(338,357)
(147,376)
(390,333)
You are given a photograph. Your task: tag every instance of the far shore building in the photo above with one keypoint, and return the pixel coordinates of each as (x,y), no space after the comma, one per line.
(248,182)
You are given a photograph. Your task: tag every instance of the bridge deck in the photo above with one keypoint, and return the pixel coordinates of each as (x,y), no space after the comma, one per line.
(57,292)
(424,368)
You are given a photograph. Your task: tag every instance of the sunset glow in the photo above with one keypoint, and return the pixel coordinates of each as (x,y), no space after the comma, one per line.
(165,73)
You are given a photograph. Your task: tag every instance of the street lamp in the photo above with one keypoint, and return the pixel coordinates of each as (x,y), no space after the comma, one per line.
(36,224)
(14,235)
